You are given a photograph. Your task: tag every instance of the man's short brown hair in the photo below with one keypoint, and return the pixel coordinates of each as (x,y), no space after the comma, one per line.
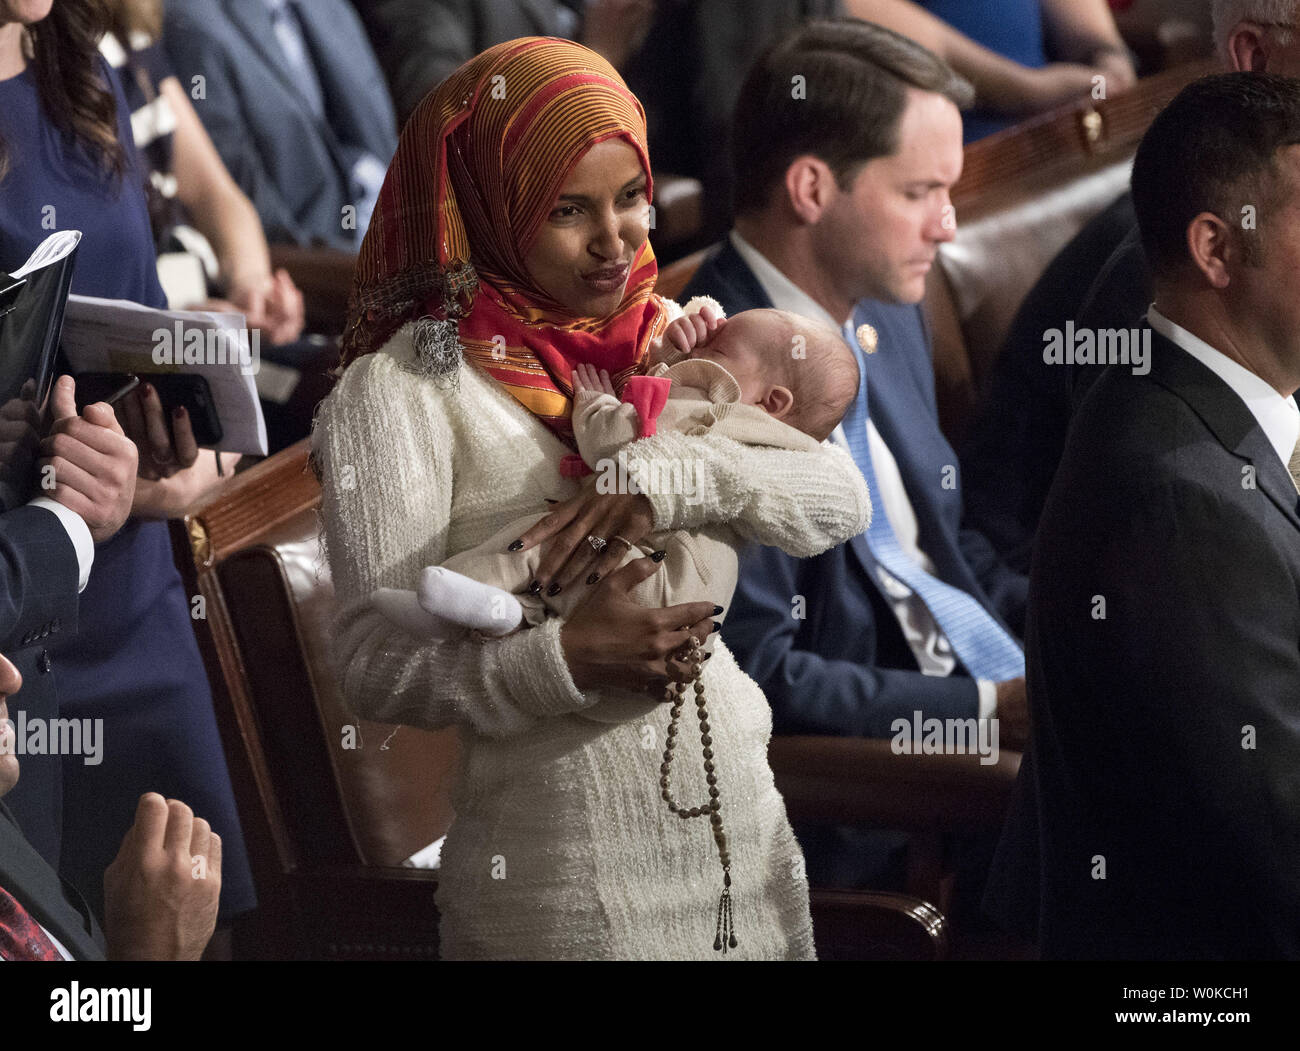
(835,88)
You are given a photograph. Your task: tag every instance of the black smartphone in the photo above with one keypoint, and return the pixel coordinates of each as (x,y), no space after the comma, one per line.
(175,389)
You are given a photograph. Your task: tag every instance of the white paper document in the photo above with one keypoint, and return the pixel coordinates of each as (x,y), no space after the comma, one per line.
(51,250)
(114,335)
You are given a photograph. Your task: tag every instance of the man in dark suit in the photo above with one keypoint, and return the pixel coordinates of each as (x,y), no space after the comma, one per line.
(296,105)
(1099,281)
(157,907)
(161,891)
(917,615)
(27,882)
(1164,621)
(47,547)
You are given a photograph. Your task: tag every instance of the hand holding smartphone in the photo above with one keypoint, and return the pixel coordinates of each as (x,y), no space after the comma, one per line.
(184,391)
(168,415)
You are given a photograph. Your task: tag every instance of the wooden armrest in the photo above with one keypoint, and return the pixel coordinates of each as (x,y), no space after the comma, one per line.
(860,781)
(251,504)
(325,277)
(359,875)
(877,925)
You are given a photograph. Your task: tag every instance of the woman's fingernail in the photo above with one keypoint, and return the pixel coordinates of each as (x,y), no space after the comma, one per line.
(707,656)
(554,589)
(549,500)
(659,556)
(516,546)
(593,578)
(535,588)
(146,391)
(717,611)
(178,413)
(717,626)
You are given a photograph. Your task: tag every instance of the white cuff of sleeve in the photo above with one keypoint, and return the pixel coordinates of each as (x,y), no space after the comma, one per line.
(988,698)
(78,533)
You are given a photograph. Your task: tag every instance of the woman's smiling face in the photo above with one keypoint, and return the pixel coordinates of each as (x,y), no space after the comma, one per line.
(583,252)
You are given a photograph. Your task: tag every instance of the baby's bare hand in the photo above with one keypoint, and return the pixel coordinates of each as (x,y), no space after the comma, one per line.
(684,334)
(694,330)
(587,377)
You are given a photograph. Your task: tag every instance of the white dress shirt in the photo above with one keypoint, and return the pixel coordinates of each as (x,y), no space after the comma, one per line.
(78,532)
(929,645)
(1278,417)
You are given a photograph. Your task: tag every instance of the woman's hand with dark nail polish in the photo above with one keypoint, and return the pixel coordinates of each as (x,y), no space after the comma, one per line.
(554,589)
(593,578)
(516,546)
(535,588)
(717,611)
(659,556)
(717,626)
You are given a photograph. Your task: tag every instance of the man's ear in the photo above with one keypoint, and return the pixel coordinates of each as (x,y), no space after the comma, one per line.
(777,402)
(809,187)
(1247,48)
(1209,242)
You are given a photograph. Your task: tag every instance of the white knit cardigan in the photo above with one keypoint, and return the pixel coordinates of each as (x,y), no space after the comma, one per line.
(561,847)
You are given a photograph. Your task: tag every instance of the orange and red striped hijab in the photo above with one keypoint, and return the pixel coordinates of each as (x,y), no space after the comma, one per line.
(477,171)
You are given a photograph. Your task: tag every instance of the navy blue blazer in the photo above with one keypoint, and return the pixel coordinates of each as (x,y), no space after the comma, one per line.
(294,166)
(38,605)
(844,667)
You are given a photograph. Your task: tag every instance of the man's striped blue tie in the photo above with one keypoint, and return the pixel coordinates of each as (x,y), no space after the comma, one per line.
(979,641)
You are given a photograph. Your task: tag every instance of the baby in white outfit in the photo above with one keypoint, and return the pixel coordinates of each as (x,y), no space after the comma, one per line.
(764,377)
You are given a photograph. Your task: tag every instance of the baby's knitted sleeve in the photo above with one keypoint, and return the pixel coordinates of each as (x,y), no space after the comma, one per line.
(802,502)
(385,454)
(601,426)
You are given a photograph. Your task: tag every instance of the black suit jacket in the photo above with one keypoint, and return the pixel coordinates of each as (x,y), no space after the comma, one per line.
(1164,681)
(38,605)
(55,904)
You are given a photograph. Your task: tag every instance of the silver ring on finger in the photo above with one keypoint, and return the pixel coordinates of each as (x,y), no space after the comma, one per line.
(621,540)
(597,544)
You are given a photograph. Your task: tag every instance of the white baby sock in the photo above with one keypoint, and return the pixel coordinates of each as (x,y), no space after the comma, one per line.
(471,603)
(403,609)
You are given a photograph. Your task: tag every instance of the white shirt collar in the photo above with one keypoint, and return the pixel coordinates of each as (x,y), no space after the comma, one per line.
(784,293)
(1278,417)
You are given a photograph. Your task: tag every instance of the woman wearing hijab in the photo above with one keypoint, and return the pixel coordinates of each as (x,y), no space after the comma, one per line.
(510,245)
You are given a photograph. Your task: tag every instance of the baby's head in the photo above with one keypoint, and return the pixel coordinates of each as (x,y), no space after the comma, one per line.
(798,370)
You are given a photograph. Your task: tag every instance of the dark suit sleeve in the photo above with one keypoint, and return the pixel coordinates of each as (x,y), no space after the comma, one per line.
(815,692)
(38,575)
(1007,589)
(193,51)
